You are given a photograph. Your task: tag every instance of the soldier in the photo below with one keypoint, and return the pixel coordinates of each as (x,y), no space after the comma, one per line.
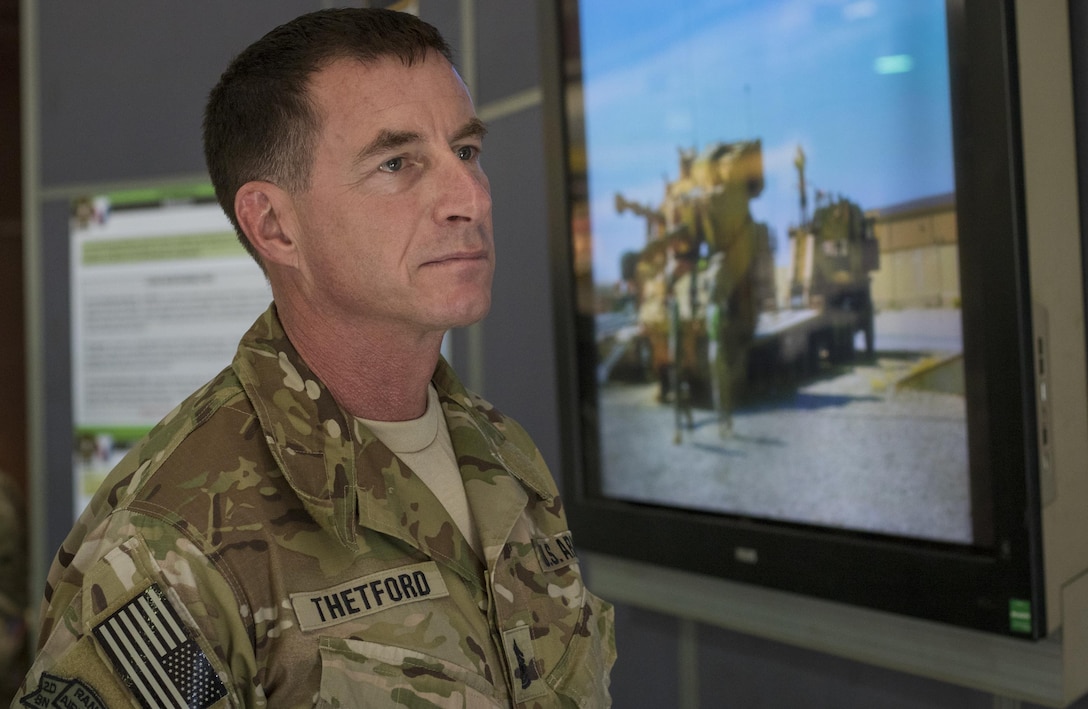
(334,520)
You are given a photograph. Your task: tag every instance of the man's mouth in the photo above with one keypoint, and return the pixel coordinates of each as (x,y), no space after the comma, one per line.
(458,257)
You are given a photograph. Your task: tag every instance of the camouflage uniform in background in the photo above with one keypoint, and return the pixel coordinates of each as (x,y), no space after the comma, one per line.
(262,548)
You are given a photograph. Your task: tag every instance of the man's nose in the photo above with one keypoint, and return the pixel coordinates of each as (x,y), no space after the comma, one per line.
(464,193)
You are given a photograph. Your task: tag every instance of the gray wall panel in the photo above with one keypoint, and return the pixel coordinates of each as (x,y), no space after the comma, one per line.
(645,674)
(519,347)
(446,16)
(123,83)
(57,336)
(507,46)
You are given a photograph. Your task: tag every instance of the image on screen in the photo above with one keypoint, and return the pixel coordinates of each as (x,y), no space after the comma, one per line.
(767,249)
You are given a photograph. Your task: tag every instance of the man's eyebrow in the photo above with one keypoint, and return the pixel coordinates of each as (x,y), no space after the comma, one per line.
(475,128)
(386,141)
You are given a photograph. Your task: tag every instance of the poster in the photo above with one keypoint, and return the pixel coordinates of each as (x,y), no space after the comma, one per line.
(161,293)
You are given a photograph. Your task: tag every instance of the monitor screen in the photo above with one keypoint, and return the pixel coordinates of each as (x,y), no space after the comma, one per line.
(772,267)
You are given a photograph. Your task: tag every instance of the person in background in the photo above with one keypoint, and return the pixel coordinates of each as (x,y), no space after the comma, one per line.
(334,520)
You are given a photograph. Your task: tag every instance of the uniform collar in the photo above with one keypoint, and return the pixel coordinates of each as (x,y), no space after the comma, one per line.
(335,464)
(305,429)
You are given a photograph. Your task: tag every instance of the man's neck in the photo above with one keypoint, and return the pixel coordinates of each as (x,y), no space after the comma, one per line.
(373,372)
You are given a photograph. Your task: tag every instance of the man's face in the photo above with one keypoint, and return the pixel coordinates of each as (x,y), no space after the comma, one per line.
(395,227)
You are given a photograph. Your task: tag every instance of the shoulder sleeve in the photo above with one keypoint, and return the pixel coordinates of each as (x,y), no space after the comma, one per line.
(124,625)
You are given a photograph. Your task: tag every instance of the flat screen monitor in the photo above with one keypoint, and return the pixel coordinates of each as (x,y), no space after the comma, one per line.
(793,310)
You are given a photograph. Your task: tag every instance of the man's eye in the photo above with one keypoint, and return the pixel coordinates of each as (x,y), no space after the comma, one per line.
(467,152)
(392,165)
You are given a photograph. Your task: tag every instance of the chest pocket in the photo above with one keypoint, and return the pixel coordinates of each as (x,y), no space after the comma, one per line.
(363,674)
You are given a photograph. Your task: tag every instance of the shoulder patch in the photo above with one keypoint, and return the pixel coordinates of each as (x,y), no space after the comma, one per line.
(56,691)
(555,552)
(156,655)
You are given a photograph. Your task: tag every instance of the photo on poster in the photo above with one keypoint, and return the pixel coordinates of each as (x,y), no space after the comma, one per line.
(764,241)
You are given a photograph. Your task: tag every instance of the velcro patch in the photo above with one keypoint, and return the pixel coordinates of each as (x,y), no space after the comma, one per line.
(369,594)
(517,643)
(56,691)
(555,552)
(157,656)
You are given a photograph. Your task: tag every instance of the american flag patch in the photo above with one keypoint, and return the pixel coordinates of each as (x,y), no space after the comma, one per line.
(157,656)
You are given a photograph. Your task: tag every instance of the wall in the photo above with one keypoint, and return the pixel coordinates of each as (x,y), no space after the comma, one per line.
(118,89)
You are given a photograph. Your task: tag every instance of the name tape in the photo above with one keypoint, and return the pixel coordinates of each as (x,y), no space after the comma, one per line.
(368,595)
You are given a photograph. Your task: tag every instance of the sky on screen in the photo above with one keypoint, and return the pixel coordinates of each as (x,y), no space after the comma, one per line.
(860,85)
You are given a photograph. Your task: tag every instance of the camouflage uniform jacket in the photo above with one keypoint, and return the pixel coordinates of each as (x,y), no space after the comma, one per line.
(261,548)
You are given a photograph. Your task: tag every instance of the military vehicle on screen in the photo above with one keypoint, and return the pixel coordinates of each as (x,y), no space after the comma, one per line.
(710,327)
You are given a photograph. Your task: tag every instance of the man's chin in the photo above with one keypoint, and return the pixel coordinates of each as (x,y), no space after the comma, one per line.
(468,314)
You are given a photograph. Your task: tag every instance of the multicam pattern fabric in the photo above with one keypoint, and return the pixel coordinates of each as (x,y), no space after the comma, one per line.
(314,569)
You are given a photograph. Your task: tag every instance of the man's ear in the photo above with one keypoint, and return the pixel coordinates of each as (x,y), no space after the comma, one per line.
(265,215)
